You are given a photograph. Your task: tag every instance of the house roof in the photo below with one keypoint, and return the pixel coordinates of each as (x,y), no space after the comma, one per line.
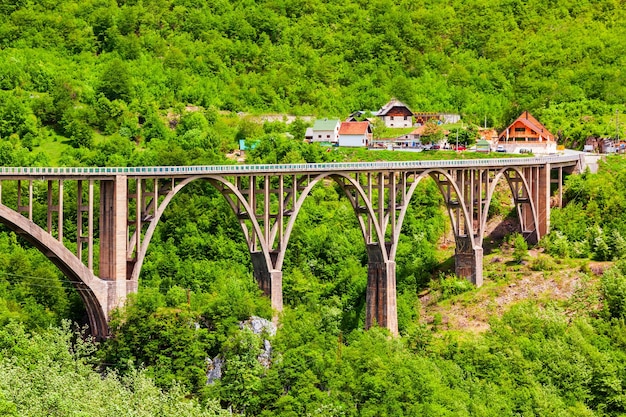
(325,124)
(387,107)
(529,121)
(418,131)
(354,128)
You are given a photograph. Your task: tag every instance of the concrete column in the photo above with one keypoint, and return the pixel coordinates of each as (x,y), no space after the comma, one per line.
(543,203)
(114,237)
(270,281)
(469,263)
(380,298)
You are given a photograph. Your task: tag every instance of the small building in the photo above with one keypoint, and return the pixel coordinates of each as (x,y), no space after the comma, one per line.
(483,145)
(308,135)
(396,114)
(325,130)
(527,134)
(360,116)
(355,134)
(421,118)
(415,135)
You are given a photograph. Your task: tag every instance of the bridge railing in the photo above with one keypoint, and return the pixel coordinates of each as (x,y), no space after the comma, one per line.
(279,168)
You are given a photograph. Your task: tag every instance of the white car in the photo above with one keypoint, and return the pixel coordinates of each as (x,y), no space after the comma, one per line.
(500,148)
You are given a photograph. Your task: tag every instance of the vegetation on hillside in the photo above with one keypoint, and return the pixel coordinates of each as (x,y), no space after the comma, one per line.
(95,71)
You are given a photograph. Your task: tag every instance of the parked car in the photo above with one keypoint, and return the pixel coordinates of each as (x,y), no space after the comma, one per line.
(459,148)
(525,150)
(500,148)
(436,147)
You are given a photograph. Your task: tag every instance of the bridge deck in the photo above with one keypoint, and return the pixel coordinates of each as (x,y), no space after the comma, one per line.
(174,171)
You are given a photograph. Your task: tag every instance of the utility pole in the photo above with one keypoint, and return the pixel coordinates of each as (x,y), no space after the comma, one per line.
(617,124)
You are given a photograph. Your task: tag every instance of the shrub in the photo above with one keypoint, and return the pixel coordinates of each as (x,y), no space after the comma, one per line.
(614,292)
(543,263)
(520,247)
(453,285)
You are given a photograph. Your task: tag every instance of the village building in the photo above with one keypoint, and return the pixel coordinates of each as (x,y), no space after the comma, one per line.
(525,135)
(396,114)
(421,118)
(355,134)
(360,116)
(325,130)
(604,145)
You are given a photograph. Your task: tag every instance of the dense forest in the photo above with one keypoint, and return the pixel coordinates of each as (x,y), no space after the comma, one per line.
(131,69)
(178,82)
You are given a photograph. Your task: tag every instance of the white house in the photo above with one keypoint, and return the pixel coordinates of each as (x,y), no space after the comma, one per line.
(355,134)
(325,130)
(396,114)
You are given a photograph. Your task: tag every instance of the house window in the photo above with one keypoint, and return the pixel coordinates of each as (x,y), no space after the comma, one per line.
(390,117)
(327,136)
(319,136)
(520,129)
(405,117)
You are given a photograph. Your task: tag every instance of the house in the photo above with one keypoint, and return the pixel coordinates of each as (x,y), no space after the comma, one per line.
(396,114)
(527,134)
(483,145)
(355,134)
(360,115)
(325,130)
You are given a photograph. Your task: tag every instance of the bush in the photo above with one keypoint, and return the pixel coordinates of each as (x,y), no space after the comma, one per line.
(543,263)
(520,247)
(453,285)
(614,292)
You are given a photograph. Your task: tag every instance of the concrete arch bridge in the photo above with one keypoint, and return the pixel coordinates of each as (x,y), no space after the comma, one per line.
(118,209)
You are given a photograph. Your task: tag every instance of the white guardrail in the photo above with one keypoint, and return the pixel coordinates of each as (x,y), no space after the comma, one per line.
(279,168)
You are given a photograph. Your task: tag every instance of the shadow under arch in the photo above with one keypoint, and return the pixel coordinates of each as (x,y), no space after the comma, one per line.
(469,221)
(521,192)
(93,291)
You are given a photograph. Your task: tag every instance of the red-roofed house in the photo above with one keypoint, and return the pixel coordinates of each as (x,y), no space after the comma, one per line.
(527,134)
(355,134)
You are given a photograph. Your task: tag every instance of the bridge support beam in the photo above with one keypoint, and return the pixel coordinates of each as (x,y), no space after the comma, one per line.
(380,298)
(270,281)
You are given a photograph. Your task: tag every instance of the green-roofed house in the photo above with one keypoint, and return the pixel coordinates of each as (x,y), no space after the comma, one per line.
(325,130)
(483,146)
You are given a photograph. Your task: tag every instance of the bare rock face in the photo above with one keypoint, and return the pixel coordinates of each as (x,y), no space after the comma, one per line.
(258,326)
(261,326)
(214,369)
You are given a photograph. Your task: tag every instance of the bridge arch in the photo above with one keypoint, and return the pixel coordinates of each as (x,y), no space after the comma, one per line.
(93,291)
(218,182)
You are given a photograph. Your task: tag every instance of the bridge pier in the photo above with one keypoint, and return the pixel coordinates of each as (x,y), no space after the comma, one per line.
(270,280)
(380,298)
(113,238)
(469,264)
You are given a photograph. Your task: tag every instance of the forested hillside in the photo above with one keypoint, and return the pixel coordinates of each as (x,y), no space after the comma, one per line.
(129,68)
